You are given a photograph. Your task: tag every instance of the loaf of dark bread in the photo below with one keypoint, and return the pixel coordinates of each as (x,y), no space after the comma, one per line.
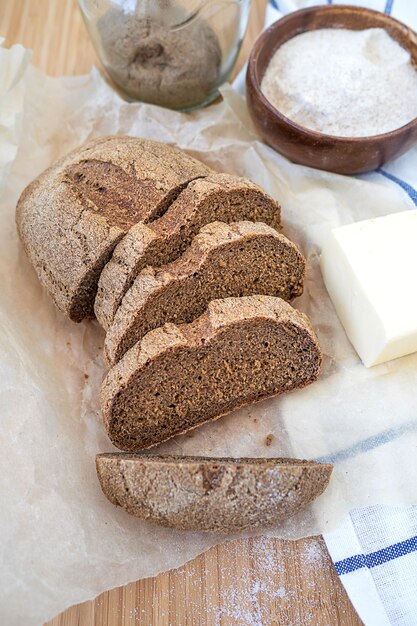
(218,197)
(224,260)
(115,216)
(239,351)
(200,493)
(72,216)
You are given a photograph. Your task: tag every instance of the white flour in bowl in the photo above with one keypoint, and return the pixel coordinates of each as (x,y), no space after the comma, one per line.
(343,82)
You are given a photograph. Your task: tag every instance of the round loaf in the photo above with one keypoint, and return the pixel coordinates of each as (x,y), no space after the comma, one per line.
(72,216)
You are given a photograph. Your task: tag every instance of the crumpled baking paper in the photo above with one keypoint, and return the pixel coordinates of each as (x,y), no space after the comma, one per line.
(13,64)
(62,541)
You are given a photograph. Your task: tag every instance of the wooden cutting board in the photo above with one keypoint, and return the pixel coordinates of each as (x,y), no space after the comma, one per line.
(253,582)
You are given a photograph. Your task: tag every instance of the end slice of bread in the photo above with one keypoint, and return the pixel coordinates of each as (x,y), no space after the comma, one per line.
(239,351)
(73,215)
(217,197)
(224,260)
(210,494)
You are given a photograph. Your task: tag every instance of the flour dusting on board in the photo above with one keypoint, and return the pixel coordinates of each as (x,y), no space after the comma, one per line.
(269,588)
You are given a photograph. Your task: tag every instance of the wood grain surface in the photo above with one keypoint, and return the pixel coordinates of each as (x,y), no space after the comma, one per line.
(254,582)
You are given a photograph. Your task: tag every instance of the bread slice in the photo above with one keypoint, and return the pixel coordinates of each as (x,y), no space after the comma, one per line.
(72,216)
(200,493)
(239,351)
(224,260)
(218,197)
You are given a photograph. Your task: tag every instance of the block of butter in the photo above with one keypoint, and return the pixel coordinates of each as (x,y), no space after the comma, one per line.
(370,271)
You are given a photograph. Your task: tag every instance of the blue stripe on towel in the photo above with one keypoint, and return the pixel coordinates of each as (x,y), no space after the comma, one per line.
(274,4)
(412,193)
(388,7)
(376,558)
(350,564)
(370,443)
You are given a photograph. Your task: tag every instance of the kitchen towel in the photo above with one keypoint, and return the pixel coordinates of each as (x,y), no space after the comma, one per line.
(375,549)
(375,554)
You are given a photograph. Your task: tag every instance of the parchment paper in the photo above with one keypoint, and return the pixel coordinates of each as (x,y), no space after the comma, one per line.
(62,542)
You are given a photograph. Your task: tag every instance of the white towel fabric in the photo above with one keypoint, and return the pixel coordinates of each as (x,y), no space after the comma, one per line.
(375,555)
(375,549)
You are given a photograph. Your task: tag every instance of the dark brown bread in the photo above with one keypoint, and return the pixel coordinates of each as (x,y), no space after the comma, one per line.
(72,216)
(218,197)
(239,351)
(224,260)
(200,493)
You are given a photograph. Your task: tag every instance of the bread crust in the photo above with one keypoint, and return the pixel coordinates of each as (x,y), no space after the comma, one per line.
(210,494)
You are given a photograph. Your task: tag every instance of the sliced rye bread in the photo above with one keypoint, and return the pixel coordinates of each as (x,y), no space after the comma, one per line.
(218,197)
(224,260)
(72,216)
(210,494)
(239,351)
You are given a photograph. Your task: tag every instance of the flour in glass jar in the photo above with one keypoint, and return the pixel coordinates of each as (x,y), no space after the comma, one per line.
(342,82)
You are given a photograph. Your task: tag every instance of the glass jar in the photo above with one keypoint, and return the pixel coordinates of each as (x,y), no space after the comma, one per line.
(174,53)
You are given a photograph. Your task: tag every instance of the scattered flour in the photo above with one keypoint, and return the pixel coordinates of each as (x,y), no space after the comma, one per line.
(313,554)
(272,587)
(342,82)
(254,598)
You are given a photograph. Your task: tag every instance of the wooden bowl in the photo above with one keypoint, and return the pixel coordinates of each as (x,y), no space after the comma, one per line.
(344,155)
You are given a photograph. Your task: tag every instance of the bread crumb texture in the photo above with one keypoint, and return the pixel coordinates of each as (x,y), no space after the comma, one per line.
(239,351)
